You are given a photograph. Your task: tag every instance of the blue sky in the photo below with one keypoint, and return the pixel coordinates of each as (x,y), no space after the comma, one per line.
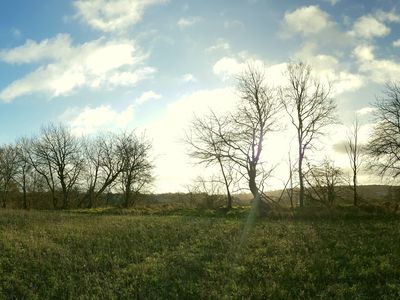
(149,64)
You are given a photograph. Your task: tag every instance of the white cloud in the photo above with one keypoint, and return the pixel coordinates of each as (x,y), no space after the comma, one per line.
(309,20)
(220,45)
(94,64)
(332,2)
(90,120)
(325,67)
(369,27)
(187,22)
(390,16)
(396,43)
(329,69)
(227,67)
(174,167)
(378,70)
(188,77)
(365,111)
(364,52)
(147,96)
(32,51)
(381,70)
(112,15)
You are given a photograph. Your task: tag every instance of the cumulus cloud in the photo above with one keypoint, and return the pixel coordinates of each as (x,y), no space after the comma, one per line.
(147,96)
(378,70)
(187,22)
(325,67)
(374,25)
(388,16)
(90,120)
(112,15)
(364,52)
(228,66)
(365,111)
(188,77)
(369,27)
(396,43)
(33,51)
(66,67)
(307,21)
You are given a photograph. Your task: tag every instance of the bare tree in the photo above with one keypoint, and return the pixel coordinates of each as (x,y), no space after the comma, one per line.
(207,146)
(137,168)
(289,185)
(244,138)
(8,170)
(384,144)
(307,101)
(208,190)
(103,165)
(323,181)
(354,152)
(56,155)
(25,169)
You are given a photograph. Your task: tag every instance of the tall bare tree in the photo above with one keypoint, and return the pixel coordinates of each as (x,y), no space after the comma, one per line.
(243,133)
(137,168)
(56,155)
(384,144)
(355,153)
(103,165)
(8,170)
(310,107)
(207,146)
(25,169)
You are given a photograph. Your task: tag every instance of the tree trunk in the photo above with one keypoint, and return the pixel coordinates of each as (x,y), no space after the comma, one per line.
(23,186)
(259,206)
(65,195)
(355,188)
(24,198)
(65,200)
(54,199)
(127,193)
(127,196)
(228,193)
(91,198)
(301,179)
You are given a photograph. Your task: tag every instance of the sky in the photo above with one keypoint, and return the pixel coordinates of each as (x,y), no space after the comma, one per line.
(149,65)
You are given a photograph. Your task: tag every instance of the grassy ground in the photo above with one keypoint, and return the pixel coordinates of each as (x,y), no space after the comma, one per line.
(117,254)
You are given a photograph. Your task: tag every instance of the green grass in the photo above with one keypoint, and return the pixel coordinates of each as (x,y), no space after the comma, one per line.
(107,254)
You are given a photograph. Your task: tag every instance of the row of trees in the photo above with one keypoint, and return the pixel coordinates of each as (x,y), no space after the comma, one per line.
(235,141)
(66,167)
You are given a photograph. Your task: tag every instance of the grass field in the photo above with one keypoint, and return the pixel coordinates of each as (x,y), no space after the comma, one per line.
(100,255)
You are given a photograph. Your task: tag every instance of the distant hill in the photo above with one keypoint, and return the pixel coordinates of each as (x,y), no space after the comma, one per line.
(370,194)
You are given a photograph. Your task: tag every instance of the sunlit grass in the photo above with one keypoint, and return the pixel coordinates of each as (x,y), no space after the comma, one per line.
(107,254)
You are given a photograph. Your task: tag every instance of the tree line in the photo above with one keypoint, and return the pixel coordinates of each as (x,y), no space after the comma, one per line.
(236,140)
(66,168)
(57,164)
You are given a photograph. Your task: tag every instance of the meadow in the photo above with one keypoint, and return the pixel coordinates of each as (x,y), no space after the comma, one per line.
(128,254)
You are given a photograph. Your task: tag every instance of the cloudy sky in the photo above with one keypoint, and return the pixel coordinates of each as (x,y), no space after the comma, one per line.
(149,64)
